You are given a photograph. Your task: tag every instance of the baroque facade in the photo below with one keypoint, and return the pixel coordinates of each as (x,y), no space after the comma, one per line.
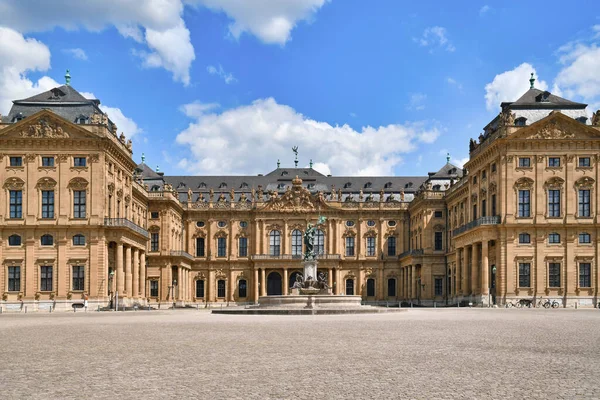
(81,220)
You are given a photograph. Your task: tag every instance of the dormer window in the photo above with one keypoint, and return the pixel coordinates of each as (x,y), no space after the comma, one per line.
(583,120)
(542,97)
(388,185)
(181,185)
(408,185)
(244,185)
(202,185)
(311,186)
(347,185)
(284,173)
(223,185)
(452,171)
(521,121)
(437,188)
(155,188)
(368,185)
(18,117)
(81,120)
(281,186)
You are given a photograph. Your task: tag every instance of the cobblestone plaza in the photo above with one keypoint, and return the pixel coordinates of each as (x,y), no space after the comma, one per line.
(421,354)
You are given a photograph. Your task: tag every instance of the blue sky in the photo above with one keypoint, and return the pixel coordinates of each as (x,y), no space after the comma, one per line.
(370,88)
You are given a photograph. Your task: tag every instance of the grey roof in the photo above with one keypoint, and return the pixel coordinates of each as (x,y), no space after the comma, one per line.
(146,172)
(540,99)
(64,101)
(446,172)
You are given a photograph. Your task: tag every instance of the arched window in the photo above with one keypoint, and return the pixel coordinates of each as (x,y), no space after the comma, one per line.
(275,243)
(47,240)
(319,242)
(349,287)
(370,287)
(242,288)
(78,240)
(524,238)
(14,240)
(296,242)
(221,288)
(200,289)
(554,238)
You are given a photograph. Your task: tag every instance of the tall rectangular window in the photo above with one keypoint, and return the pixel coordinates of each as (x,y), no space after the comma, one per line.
(200,247)
(392,246)
(493,205)
(79,203)
(554,203)
(14,279)
(370,246)
(78,277)
(474,212)
(296,242)
(439,286)
(350,246)
(47,161)
(154,241)
(79,161)
(483,208)
(153,288)
(220,288)
(438,241)
(221,247)
(16,204)
(275,243)
(524,203)
(242,288)
(585,275)
(243,247)
(584,202)
(47,203)
(554,275)
(45,278)
(524,275)
(200,288)
(391,287)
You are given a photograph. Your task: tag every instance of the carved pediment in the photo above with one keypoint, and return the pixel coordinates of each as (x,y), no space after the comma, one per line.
(78,184)
(43,128)
(555,181)
(524,183)
(46,184)
(295,199)
(14,184)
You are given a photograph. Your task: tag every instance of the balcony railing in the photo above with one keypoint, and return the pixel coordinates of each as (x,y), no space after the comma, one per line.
(181,253)
(416,252)
(293,257)
(124,222)
(495,220)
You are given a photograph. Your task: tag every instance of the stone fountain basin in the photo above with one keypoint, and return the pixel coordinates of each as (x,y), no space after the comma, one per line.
(309,291)
(317,301)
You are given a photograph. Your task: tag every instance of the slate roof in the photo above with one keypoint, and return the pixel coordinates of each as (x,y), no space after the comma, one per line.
(446,172)
(540,99)
(64,101)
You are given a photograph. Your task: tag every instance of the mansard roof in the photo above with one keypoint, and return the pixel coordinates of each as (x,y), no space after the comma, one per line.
(541,99)
(446,172)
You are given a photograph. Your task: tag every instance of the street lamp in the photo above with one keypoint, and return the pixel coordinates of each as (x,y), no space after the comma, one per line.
(491,284)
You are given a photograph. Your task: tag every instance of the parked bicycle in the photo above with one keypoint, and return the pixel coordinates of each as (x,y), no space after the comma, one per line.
(547,303)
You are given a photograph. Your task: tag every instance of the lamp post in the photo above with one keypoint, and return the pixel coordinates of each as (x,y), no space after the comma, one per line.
(111,276)
(420,286)
(491,285)
(172,289)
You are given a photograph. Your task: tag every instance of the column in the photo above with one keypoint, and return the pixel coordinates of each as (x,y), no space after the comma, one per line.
(458,278)
(255,285)
(285,282)
(211,289)
(128,287)
(464,287)
(119,270)
(284,244)
(329,277)
(263,283)
(338,281)
(142,287)
(180,282)
(136,276)
(485,269)
(474,269)
(381,295)
(414,281)
(231,286)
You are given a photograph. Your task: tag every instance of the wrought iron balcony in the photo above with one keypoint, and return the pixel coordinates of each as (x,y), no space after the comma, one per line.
(415,252)
(125,223)
(494,220)
(181,253)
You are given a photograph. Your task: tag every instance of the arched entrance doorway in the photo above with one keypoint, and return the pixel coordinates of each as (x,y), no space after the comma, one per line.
(293,278)
(274,284)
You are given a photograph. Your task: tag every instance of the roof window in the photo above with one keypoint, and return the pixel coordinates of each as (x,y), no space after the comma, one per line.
(223,185)
(347,185)
(521,121)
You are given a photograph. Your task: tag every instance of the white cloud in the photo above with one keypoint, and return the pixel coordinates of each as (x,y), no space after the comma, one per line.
(322,168)
(226,76)
(454,82)
(416,102)
(579,76)
(435,36)
(510,85)
(483,10)
(165,33)
(270,21)
(124,124)
(197,109)
(235,141)
(76,53)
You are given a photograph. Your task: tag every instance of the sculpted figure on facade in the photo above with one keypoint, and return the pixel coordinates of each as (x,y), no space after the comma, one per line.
(190,195)
(95,118)
(44,129)
(507,118)
(211,195)
(596,118)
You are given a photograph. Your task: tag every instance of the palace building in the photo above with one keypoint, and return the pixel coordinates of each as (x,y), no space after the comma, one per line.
(80,219)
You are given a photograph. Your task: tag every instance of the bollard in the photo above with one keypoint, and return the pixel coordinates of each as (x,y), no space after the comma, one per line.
(74,309)
(25,309)
(411,305)
(434,304)
(0,310)
(576,303)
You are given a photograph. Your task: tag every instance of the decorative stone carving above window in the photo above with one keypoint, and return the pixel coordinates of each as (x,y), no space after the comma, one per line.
(14,184)
(349,233)
(554,182)
(46,184)
(524,183)
(492,187)
(585,181)
(370,233)
(111,188)
(120,193)
(78,184)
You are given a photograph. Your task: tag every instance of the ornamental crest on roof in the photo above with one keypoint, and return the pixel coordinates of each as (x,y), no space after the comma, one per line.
(295,199)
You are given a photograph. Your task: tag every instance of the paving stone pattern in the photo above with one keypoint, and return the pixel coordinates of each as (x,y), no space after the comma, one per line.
(419,354)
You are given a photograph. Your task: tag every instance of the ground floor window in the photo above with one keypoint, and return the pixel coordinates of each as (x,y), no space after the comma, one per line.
(370,287)
(439,286)
(242,288)
(153,288)
(349,287)
(554,275)
(220,288)
(78,277)
(585,275)
(14,279)
(391,287)
(524,275)
(200,288)
(45,278)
